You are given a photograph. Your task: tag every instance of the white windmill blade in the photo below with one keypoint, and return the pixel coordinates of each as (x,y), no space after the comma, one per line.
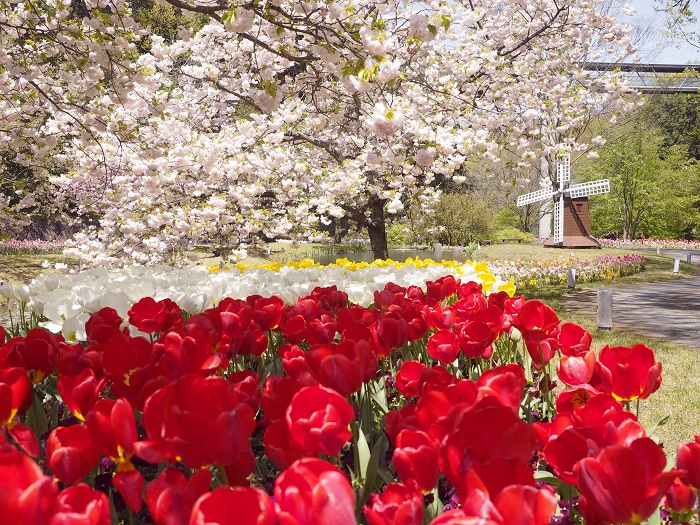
(559,220)
(586,189)
(564,169)
(535,196)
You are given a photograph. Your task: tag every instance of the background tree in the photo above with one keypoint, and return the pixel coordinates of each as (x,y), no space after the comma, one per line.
(677,116)
(681,21)
(653,188)
(275,118)
(461,218)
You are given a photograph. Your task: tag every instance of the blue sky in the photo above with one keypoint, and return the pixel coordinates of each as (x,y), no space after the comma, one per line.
(657,49)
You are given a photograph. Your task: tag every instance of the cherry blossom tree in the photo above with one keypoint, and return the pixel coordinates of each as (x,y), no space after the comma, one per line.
(276,118)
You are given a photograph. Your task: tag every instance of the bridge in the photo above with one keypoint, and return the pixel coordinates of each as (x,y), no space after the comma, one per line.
(654,78)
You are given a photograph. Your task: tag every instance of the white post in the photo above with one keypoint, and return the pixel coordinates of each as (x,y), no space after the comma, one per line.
(571,278)
(604,313)
(658,250)
(676,265)
(688,257)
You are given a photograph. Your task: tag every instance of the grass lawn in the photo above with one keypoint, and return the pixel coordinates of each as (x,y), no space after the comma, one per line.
(681,367)
(17,269)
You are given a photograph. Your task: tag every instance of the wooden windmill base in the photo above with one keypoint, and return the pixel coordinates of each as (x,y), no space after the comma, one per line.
(577,226)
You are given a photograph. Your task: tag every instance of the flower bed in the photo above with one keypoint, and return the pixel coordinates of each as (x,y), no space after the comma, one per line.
(681,244)
(17,246)
(65,301)
(433,404)
(553,271)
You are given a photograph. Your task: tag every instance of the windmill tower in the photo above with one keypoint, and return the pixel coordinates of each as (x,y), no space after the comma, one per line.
(572,223)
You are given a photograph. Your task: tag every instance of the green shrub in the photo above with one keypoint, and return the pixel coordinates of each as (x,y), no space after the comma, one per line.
(398,236)
(514,233)
(461,219)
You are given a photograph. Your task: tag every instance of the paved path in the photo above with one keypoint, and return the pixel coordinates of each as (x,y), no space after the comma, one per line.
(668,311)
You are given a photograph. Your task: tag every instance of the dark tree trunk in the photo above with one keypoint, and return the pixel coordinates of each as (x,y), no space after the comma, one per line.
(376,228)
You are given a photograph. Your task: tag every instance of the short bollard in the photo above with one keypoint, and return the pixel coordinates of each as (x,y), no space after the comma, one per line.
(676,266)
(571,278)
(688,257)
(658,250)
(604,314)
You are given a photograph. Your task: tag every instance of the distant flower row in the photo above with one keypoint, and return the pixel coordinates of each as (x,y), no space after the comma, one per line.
(554,271)
(17,246)
(650,243)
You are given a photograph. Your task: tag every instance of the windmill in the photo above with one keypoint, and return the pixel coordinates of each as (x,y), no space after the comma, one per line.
(572,225)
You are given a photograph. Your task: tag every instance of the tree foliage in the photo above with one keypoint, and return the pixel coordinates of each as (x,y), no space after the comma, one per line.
(654,188)
(461,219)
(273,119)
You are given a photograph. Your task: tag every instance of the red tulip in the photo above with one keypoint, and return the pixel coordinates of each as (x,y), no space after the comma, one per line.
(525,505)
(80,392)
(181,355)
(407,378)
(443,345)
(356,314)
(14,389)
(629,373)
(681,499)
(514,505)
(442,288)
(202,421)
(267,312)
(391,295)
(458,517)
(471,299)
(314,492)
(113,429)
(321,330)
(416,458)
(81,505)
(480,331)
(434,378)
(506,383)
(576,369)
(573,339)
(130,365)
(27,496)
(149,315)
(330,297)
(233,506)
(129,483)
(251,342)
(35,353)
(623,485)
(280,447)
(399,504)
(318,419)
(438,317)
(397,420)
(294,364)
(688,459)
(277,394)
(102,325)
(580,433)
(71,453)
(488,449)
(538,324)
(294,329)
(392,330)
(341,366)
(171,496)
